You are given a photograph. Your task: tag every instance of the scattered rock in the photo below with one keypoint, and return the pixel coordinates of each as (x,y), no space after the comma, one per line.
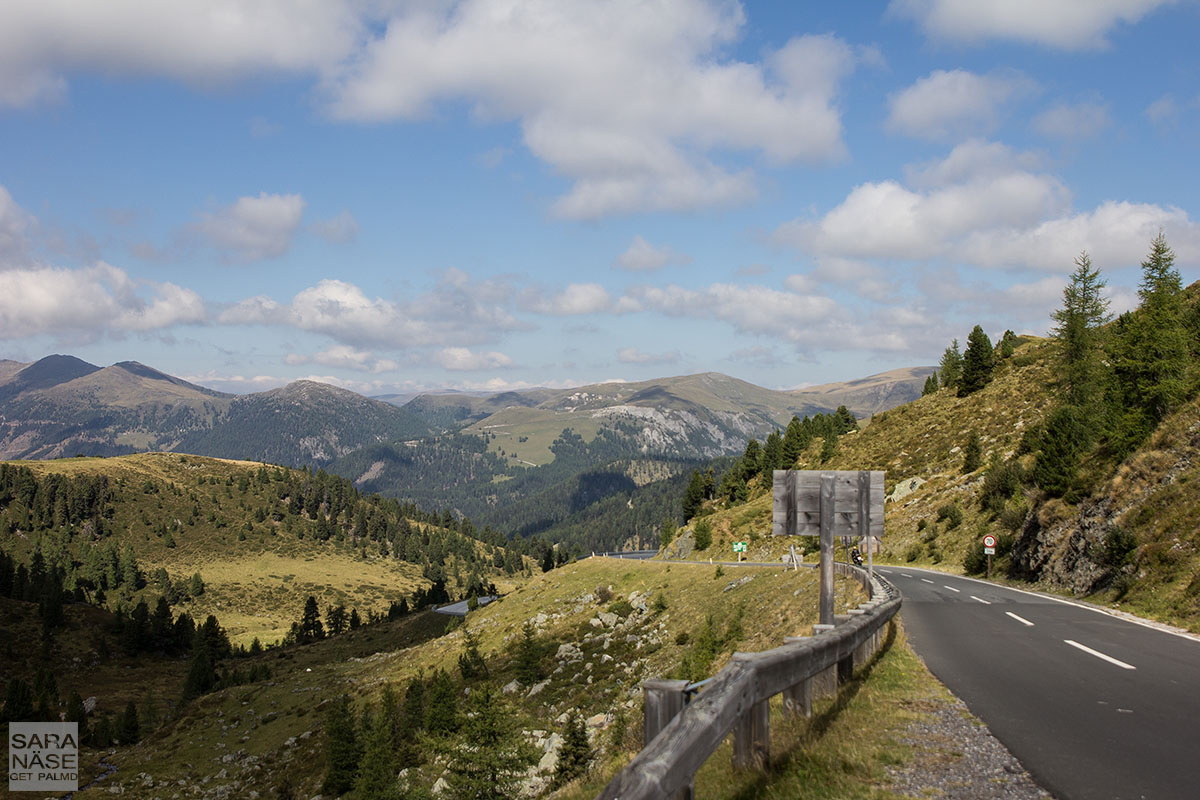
(537,688)
(568,652)
(511,687)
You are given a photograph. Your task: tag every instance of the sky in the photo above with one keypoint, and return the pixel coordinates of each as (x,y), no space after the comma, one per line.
(411,195)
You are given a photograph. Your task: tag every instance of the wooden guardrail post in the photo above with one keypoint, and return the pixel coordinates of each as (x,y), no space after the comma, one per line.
(752,737)
(797,698)
(825,682)
(662,700)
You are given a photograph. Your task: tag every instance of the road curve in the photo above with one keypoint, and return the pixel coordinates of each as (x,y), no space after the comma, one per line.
(1093,705)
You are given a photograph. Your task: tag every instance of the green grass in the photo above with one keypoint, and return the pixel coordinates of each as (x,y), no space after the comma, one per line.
(538,426)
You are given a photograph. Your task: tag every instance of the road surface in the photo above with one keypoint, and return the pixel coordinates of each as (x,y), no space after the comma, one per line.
(1093,705)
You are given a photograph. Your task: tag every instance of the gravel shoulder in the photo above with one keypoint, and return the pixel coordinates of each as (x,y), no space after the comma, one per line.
(956,757)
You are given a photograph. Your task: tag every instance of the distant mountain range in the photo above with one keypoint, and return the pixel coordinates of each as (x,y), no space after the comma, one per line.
(63,406)
(598,465)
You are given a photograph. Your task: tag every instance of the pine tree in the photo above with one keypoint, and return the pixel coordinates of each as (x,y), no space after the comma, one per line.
(828,446)
(794,442)
(703,534)
(1064,441)
(950,368)
(491,759)
(128,729)
(575,754)
(529,656)
(844,421)
(972,454)
(931,385)
(377,773)
(470,661)
(342,752)
(978,362)
(772,454)
(1078,331)
(751,458)
(441,716)
(1153,350)
(310,628)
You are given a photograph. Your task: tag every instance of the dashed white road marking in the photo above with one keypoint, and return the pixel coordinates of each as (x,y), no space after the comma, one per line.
(1099,655)
(905,574)
(951,588)
(1021,620)
(927,580)
(980,599)
(886,571)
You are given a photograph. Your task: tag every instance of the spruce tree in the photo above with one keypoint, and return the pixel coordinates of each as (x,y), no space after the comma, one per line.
(1064,441)
(442,717)
(1153,350)
(377,773)
(772,454)
(1078,329)
(310,628)
(794,442)
(575,754)
(972,454)
(931,385)
(529,656)
(128,729)
(491,759)
(978,362)
(950,368)
(342,751)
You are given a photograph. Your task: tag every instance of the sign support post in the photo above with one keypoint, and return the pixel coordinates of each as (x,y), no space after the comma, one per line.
(989,547)
(834,503)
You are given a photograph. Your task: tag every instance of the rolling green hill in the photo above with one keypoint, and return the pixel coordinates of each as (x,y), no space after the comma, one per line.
(262,538)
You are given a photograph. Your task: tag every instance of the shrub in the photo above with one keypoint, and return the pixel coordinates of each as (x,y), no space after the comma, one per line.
(703,534)
(1013,519)
(952,514)
(1001,482)
(660,604)
(719,573)
(621,607)
(603,594)
(921,525)
(1119,545)
(975,561)
(913,553)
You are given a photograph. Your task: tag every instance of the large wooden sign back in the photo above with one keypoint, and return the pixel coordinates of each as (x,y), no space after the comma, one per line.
(849,502)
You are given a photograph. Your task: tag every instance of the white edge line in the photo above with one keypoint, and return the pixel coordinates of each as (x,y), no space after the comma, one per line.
(1099,655)
(1021,620)
(1154,626)
(980,599)
(951,588)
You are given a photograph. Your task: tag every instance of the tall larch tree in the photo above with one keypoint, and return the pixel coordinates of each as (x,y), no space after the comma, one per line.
(1078,329)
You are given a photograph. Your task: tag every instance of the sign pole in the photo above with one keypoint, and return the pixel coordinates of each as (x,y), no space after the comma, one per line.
(826,531)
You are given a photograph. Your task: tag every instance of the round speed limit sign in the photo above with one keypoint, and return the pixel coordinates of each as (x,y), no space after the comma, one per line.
(989,541)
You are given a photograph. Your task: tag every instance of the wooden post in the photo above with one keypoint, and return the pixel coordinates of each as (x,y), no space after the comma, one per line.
(752,737)
(662,700)
(826,512)
(797,698)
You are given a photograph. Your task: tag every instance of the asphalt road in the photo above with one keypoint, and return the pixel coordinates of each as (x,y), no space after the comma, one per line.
(1093,705)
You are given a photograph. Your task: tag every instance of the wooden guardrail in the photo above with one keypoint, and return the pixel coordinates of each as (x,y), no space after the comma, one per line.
(681,735)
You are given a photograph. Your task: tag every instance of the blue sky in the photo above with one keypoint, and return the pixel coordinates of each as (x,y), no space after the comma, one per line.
(400,196)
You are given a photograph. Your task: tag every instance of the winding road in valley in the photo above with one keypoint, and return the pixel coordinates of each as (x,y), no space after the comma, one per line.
(1094,705)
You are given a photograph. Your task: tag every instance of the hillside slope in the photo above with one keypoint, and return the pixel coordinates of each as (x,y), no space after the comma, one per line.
(261,538)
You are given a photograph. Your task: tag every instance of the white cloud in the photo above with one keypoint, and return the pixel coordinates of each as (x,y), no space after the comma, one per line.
(623,99)
(1069,122)
(86,302)
(575,299)
(1163,111)
(461,358)
(985,206)
(339,229)
(199,41)
(254,228)
(1066,24)
(631,355)
(457,312)
(344,357)
(645,257)
(953,103)
(15,225)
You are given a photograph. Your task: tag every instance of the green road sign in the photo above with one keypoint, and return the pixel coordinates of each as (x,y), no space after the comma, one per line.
(739,547)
